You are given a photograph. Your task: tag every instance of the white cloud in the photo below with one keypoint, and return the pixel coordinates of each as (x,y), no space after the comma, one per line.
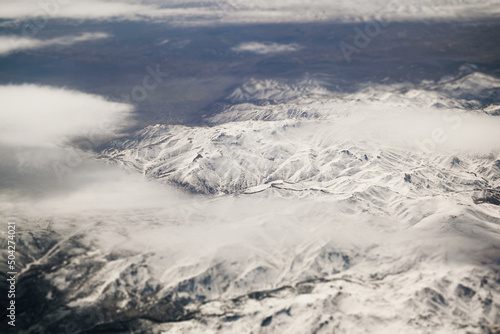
(266,48)
(10,44)
(234,11)
(40,116)
(38,126)
(238,11)
(92,9)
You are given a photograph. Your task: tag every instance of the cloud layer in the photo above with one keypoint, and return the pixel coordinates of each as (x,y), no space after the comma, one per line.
(93,9)
(238,11)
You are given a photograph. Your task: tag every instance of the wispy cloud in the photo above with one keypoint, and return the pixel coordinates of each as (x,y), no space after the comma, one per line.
(266,48)
(10,44)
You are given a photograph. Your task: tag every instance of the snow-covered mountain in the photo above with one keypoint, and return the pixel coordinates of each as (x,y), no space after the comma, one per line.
(374,211)
(250,166)
(307,211)
(411,140)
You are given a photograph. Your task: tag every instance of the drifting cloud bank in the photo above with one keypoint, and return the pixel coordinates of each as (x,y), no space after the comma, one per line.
(256,11)
(92,9)
(37,126)
(44,116)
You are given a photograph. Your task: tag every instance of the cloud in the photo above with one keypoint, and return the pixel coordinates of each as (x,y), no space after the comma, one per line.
(41,116)
(266,48)
(38,127)
(92,9)
(9,44)
(181,12)
(178,11)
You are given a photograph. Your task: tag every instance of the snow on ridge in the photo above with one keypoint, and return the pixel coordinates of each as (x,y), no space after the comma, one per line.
(274,100)
(293,262)
(331,143)
(337,220)
(326,155)
(275,91)
(390,205)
